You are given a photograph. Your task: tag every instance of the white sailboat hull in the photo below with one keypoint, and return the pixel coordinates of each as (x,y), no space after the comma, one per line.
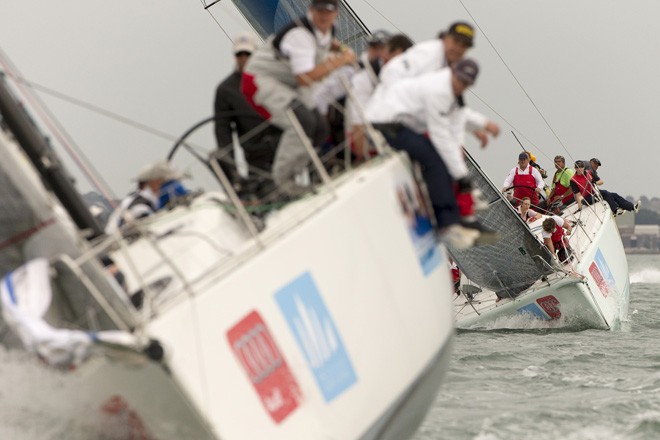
(337,328)
(593,293)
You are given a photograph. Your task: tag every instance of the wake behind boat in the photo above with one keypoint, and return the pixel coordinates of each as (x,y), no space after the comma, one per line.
(517,283)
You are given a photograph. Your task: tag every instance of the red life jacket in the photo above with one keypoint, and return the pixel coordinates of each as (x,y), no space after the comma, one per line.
(561,189)
(584,183)
(558,238)
(525,186)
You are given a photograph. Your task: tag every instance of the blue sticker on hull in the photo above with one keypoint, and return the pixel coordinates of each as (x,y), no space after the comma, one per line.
(317,336)
(419,226)
(534,310)
(604,268)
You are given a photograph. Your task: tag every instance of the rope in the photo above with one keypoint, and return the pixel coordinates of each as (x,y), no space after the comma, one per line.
(516,80)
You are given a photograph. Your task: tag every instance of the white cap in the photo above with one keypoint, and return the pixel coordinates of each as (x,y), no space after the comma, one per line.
(159,170)
(244,42)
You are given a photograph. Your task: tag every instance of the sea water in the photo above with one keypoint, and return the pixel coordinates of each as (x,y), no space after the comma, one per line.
(503,384)
(552,384)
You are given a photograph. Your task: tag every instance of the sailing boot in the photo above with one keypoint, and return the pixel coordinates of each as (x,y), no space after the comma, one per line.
(457,237)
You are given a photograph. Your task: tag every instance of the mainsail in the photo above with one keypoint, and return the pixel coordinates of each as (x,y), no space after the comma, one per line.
(269,16)
(517,260)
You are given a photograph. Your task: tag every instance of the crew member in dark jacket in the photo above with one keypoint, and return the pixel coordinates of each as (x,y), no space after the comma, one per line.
(233,112)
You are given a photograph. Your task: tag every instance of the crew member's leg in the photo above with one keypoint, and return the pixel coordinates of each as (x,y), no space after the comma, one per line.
(622,203)
(291,156)
(436,176)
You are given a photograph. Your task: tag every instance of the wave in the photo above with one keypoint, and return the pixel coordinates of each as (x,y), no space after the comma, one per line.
(647,276)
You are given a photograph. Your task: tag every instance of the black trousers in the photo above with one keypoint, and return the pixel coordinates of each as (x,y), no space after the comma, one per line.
(438,181)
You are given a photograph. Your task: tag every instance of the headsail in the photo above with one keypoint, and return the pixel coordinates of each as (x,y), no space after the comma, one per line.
(269,16)
(517,260)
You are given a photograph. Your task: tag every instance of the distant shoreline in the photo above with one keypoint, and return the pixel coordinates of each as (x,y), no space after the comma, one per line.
(641,251)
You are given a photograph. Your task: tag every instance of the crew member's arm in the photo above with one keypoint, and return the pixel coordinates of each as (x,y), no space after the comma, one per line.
(539,180)
(445,128)
(480,126)
(322,70)
(578,198)
(300,46)
(509,180)
(223,130)
(547,241)
(595,179)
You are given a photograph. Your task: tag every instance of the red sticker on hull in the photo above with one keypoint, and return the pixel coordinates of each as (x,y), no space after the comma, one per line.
(265,366)
(598,278)
(550,305)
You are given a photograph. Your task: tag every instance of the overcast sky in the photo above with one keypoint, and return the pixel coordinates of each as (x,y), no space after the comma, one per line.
(590,67)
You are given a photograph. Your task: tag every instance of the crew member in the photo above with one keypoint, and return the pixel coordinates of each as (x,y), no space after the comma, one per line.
(581,185)
(618,204)
(279,77)
(525,180)
(555,236)
(431,103)
(561,183)
(233,113)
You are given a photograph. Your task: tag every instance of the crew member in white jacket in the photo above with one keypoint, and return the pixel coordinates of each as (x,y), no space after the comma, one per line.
(431,103)
(433,55)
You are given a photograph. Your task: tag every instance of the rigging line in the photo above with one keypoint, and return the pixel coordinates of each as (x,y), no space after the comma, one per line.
(212,4)
(57,130)
(96,109)
(472,92)
(516,79)
(382,15)
(208,9)
(104,112)
(355,16)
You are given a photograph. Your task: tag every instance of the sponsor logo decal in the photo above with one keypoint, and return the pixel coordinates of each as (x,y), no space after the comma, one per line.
(317,336)
(265,366)
(533,309)
(601,273)
(420,227)
(550,305)
(598,278)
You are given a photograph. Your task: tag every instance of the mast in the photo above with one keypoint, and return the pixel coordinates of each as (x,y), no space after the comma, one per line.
(44,159)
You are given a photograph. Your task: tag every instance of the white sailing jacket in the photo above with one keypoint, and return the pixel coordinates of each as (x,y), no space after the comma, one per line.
(422,58)
(426,104)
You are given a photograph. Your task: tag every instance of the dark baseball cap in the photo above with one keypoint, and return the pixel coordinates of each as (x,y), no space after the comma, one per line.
(596,161)
(463,32)
(328,5)
(467,70)
(522,156)
(378,38)
(579,164)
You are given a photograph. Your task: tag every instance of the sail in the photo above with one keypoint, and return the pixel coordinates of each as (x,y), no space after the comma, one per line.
(517,260)
(269,16)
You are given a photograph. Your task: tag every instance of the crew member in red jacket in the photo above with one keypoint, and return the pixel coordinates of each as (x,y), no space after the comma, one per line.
(555,236)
